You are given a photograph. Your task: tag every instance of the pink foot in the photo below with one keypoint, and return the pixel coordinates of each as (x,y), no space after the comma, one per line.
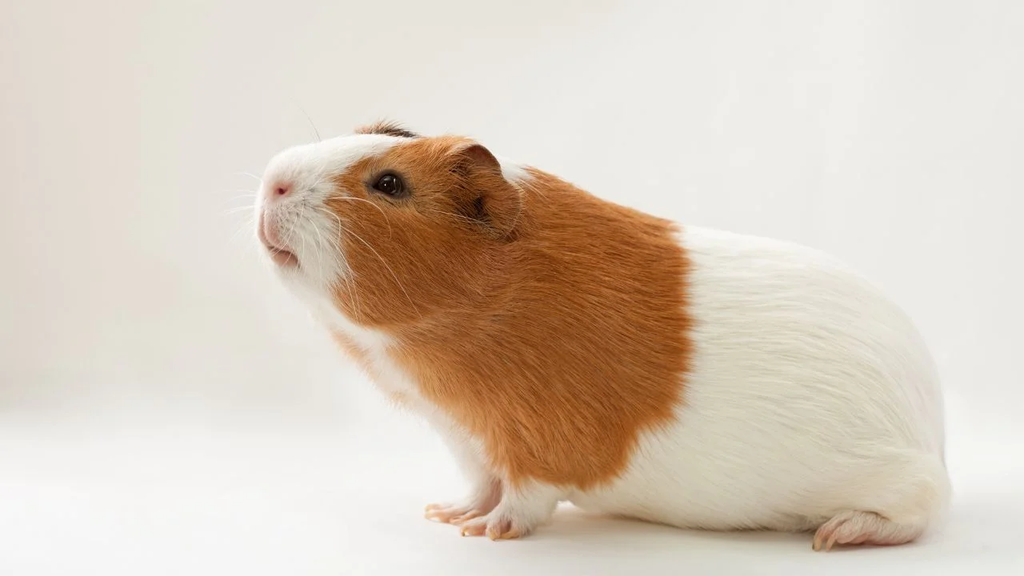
(851,528)
(453,513)
(485,497)
(521,510)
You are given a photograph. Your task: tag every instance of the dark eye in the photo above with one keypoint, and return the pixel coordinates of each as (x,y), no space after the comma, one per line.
(389,184)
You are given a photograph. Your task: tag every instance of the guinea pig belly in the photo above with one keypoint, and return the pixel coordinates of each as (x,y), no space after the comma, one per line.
(809,396)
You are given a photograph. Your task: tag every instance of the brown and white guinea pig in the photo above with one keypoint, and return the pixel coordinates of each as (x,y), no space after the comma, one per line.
(570,349)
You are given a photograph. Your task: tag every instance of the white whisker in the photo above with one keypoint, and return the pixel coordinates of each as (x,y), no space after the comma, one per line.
(386,265)
(248,225)
(250,199)
(379,209)
(379,257)
(353,293)
(454,215)
(303,238)
(349,277)
(258,179)
(319,251)
(311,125)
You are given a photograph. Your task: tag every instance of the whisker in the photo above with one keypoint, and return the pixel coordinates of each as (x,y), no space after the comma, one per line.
(454,215)
(379,257)
(318,245)
(391,231)
(250,175)
(353,293)
(386,265)
(321,176)
(246,226)
(301,237)
(251,199)
(310,120)
(347,276)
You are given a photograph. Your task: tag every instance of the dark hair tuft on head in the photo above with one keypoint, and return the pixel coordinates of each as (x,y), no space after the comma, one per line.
(388,128)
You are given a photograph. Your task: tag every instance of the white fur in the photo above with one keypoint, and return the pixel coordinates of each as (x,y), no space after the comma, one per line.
(513,172)
(309,230)
(520,510)
(811,402)
(810,395)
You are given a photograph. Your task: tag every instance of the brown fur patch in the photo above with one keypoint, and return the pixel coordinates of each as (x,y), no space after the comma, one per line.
(550,324)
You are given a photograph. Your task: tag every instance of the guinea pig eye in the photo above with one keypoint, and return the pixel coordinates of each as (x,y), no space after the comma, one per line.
(389,184)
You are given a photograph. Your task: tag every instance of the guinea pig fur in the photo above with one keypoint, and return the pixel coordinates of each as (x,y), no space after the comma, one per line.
(571,349)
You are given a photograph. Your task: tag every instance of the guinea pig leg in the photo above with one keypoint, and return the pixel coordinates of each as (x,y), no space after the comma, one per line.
(485,487)
(484,496)
(521,510)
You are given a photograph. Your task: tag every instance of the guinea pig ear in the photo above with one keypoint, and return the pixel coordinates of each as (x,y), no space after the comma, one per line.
(486,196)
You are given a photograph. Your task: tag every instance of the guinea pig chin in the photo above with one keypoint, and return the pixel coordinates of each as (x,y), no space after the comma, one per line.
(302,242)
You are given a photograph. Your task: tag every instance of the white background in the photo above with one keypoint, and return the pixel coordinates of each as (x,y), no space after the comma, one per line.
(166,407)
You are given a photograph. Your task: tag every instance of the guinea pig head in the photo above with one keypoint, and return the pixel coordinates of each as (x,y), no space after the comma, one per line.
(389,227)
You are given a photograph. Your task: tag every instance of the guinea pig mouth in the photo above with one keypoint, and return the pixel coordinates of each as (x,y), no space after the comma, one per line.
(280,256)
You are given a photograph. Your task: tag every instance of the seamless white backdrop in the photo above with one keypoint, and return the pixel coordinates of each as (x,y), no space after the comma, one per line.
(165,405)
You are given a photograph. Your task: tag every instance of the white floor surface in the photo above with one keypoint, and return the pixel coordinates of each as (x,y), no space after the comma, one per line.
(256,499)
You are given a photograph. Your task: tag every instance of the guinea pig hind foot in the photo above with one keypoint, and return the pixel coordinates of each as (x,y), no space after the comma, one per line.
(855,527)
(900,500)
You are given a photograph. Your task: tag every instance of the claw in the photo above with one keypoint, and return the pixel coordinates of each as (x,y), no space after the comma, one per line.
(474,530)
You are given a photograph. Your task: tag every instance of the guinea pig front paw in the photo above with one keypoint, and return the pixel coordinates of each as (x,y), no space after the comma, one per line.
(496,527)
(485,496)
(455,513)
(519,513)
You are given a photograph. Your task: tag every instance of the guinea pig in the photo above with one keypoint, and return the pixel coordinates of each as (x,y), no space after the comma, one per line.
(569,349)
